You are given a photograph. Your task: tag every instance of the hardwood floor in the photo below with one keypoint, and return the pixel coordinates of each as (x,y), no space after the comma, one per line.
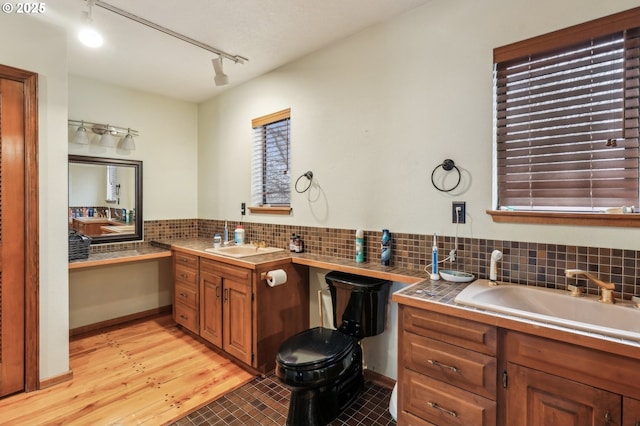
(146,373)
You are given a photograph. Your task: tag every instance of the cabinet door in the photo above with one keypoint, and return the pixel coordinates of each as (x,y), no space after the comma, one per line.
(630,412)
(535,398)
(211,308)
(237,319)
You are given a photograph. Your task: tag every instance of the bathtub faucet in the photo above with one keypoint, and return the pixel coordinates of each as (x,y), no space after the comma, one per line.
(606,289)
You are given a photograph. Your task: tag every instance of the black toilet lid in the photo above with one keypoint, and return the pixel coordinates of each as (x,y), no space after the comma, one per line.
(315,347)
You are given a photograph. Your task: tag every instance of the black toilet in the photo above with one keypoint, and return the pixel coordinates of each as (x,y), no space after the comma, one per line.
(322,366)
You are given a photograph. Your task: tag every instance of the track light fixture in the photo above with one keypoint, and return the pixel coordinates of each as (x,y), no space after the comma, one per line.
(109,134)
(88,35)
(221,78)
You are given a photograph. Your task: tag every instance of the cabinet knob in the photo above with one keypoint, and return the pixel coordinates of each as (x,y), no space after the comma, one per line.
(607,416)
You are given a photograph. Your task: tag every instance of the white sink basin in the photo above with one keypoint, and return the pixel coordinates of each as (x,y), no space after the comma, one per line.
(243,250)
(554,307)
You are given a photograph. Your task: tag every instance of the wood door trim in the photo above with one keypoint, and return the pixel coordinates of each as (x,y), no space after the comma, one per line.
(32,237)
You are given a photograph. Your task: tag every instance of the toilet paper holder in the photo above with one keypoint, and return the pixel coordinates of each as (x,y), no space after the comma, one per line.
(265,276)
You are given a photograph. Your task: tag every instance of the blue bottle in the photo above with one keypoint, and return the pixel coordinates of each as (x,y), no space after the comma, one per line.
(385,249)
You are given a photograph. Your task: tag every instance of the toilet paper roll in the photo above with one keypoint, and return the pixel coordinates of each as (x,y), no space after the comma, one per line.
(276,277)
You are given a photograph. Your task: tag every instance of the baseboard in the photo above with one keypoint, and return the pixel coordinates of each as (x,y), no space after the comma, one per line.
(118,321)
(384,381)
(52,381)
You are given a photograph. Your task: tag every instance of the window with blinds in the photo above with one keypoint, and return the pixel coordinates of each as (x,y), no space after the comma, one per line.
(271,180)
(567,118)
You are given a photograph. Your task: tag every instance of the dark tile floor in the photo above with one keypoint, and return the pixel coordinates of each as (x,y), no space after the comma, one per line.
(265,401)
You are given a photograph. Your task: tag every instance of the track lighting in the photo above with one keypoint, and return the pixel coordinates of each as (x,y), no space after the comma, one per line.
(108,135)
(88,34)
(221,78)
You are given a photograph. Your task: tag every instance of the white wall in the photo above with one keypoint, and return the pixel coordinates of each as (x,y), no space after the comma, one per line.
(374,114)
(43,49)
(167,144)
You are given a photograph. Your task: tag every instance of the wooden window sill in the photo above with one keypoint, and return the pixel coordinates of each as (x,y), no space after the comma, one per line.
(270,210)
(630,220)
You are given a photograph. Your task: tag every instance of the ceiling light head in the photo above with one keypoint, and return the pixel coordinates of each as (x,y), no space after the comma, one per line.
(90,37)
(88,34)
(221,78)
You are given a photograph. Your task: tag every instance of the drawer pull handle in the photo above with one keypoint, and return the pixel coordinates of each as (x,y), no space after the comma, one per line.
(439,364)
(444,410)
(183,294)
(184,275)
(607,417)
(184,318)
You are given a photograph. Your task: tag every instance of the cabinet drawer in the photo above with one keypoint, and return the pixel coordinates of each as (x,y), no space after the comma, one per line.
(457,366)
(186,316)
(456,331)
(186,259)
(225,270)
(186,275)
(443,404)
(186,294)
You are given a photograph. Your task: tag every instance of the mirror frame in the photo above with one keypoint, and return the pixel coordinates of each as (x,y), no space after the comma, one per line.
(137,235)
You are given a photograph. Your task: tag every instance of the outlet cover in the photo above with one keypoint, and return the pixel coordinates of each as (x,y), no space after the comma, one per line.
(458,211)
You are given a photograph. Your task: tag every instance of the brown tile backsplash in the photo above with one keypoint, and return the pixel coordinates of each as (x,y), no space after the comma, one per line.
(522,263)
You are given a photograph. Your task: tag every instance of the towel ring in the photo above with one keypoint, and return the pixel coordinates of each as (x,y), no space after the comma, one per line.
(308,175)
(447,165)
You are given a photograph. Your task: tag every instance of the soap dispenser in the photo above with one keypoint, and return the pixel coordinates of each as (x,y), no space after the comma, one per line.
(238,235)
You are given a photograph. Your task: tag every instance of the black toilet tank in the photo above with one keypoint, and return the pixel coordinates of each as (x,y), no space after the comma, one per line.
(359,303)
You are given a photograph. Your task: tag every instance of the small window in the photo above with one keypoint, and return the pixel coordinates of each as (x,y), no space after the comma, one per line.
(567,118)
(271,178)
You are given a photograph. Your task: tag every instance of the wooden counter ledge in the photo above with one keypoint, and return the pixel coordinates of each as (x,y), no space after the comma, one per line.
(120,256)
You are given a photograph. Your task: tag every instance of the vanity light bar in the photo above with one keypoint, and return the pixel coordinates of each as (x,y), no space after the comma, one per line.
(101,129)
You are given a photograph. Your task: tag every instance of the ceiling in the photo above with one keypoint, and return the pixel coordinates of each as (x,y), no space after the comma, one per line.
(270,33)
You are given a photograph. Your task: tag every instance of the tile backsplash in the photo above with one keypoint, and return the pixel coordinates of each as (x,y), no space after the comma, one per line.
(522,263)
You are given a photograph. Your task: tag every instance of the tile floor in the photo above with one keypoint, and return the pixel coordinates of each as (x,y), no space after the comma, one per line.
(264,401)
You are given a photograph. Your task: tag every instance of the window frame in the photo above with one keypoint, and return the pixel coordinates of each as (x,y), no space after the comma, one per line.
(280,209)
(549,42)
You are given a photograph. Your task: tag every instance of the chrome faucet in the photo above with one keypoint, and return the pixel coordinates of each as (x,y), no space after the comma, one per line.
(606,289)
(259,244)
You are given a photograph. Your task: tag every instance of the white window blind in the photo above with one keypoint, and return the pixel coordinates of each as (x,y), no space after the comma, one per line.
(271,180)
(567,125)
(112,184)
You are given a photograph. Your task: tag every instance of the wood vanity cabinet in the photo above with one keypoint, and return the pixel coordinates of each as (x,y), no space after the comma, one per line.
(225,308)
(233,308)
(554,383)
(185,292)
(447,373)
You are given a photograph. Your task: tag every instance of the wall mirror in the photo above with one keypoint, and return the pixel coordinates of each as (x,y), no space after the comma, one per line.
(105,198)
